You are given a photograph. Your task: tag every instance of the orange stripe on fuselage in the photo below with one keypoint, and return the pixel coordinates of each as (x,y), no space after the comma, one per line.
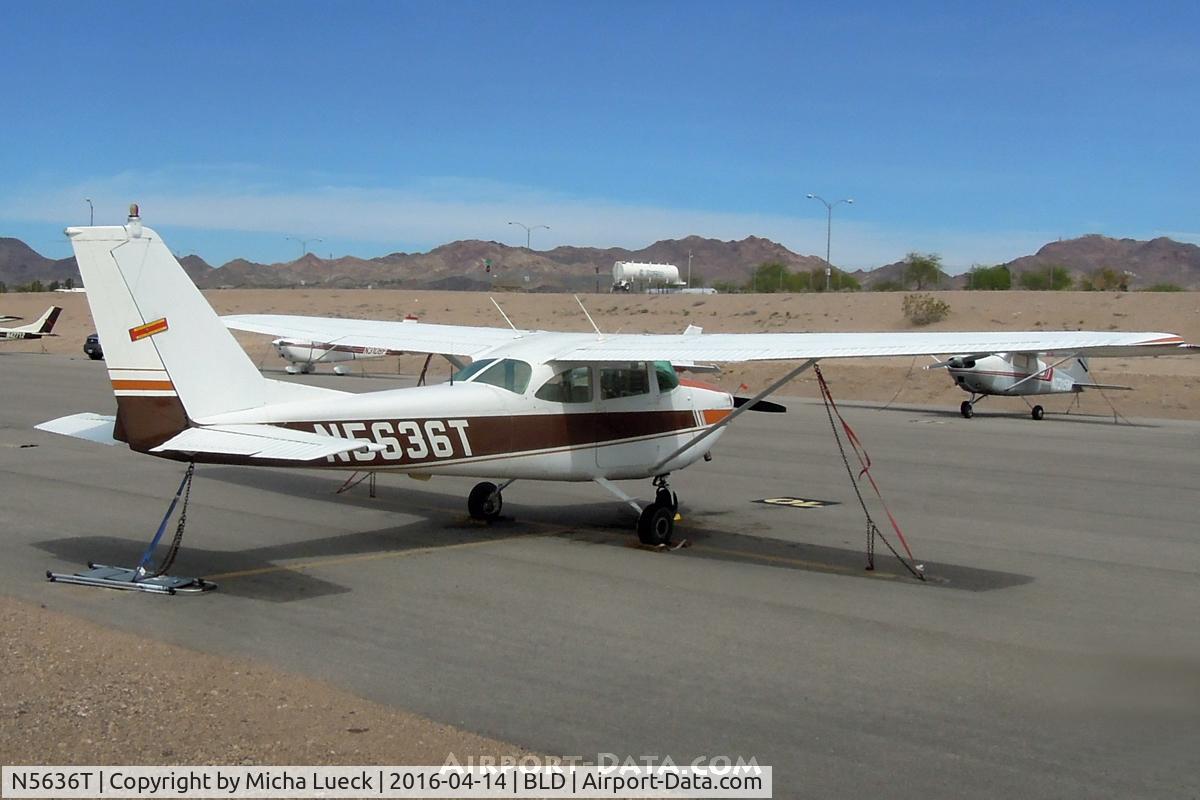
(154,386)
(714,415)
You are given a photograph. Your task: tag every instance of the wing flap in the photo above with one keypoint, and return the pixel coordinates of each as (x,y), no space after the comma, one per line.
(262,441)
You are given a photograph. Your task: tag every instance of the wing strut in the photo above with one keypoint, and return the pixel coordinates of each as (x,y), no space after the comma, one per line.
(864,460)
(747,406)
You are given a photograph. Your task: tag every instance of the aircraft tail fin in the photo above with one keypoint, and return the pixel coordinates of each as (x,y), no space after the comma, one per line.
(170,358)
(44,324)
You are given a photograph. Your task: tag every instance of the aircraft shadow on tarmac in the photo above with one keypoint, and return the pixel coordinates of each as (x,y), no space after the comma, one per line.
(282,571)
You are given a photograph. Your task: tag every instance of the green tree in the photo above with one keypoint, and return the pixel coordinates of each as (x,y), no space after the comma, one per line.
(839,281)
(69,283)
(1053,277)
(54,286)
(922,270)
(774,276)
(36,286)
(996,278)
(3,287)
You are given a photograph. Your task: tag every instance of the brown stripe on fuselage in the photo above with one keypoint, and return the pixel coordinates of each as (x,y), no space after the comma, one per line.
(409,441)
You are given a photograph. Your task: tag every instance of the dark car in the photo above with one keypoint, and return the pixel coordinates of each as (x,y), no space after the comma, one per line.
(92,348)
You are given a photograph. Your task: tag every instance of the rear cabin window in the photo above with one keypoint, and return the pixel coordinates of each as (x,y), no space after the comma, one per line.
(507,373)
(668,379)
(570,386)
(627,380)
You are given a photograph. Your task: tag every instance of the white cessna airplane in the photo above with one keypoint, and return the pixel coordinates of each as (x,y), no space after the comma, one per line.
(34,330)
(1024,374)
(304,356)
(531,405)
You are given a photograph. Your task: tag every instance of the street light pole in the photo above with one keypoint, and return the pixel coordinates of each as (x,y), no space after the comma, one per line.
(829,230)
(91,211)
(528,230)
(689,284)
(304,243)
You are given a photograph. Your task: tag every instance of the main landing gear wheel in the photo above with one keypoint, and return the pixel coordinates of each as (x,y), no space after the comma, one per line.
(656,524)
(1037,412)
(485,502)
(967,409)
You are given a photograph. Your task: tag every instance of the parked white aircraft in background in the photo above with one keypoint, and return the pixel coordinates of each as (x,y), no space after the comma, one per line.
(1025,374)
(531,405)
(304,356)
(34,330)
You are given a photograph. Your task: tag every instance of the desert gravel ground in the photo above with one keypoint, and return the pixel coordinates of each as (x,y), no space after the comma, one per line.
(75,693)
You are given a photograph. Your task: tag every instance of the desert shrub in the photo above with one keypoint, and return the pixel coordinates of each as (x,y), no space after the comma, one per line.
(887,286)
(1163,287)
(924,309)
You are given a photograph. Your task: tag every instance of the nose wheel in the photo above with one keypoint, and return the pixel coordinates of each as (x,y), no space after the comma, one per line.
(485,502)
(656,524)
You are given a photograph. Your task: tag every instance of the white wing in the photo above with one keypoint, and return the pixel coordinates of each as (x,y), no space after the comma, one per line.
(793,346)
(411,337)
(459,340)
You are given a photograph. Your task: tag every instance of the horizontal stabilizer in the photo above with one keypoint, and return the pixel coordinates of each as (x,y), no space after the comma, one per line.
(93,427)
(262,441)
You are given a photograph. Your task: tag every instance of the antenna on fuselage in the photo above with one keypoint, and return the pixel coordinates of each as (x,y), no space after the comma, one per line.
(599,335)
(501,310)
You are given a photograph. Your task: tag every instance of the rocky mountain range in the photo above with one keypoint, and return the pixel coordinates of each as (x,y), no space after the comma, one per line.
(464,265)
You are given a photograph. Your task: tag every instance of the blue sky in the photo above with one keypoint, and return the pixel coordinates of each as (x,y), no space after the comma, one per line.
(977,131)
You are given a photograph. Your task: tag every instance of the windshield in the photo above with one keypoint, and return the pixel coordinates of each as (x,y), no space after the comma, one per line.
(507,373)
(667,377)
(471,369)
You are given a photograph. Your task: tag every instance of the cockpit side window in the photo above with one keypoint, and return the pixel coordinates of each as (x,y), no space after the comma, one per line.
(570,386)
(507,373)
(627,380)
(668,379)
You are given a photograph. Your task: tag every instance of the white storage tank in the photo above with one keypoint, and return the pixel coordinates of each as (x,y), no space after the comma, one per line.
(628,273)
